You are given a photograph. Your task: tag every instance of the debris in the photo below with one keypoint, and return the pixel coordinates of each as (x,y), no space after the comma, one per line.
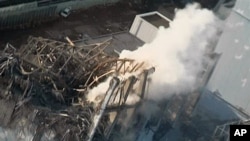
(70,42)
(47,81)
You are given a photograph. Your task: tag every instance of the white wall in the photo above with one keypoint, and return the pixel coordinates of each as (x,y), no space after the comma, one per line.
(144,30)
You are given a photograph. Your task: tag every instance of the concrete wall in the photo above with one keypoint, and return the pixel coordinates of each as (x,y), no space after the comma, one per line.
(144,30)
(231,75)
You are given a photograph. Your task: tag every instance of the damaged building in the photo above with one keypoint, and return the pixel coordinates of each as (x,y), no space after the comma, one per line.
(46,86)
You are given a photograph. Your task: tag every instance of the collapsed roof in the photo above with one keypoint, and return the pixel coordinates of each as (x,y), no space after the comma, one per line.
(44,84)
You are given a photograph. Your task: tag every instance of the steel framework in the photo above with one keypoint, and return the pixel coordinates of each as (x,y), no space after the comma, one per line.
(47,81)
(221,132)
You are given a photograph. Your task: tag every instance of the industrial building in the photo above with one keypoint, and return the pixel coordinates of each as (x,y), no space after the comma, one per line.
(233,46)
(229,80)
(202,115)
(223,95)
(145,26)
(47,103)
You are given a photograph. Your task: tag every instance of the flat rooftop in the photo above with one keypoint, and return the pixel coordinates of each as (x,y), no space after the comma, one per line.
(156,20)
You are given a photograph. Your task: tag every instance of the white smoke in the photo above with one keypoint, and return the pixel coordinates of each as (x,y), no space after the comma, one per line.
(97,93)
(177,52)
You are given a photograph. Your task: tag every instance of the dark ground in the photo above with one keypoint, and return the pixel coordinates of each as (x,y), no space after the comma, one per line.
(92,22)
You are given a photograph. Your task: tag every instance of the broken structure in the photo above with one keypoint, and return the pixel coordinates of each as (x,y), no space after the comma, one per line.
(46,83)
(44,86)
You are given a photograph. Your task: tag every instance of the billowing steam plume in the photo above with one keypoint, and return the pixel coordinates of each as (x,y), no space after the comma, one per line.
(177,52)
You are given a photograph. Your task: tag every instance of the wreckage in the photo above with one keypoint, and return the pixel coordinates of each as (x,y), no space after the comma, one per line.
(43,88)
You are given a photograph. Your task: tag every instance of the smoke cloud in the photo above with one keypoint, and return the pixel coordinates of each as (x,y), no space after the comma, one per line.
(97,93)
(177,52)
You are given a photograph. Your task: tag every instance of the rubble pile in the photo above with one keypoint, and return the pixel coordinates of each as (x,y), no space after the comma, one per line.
(42,86)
